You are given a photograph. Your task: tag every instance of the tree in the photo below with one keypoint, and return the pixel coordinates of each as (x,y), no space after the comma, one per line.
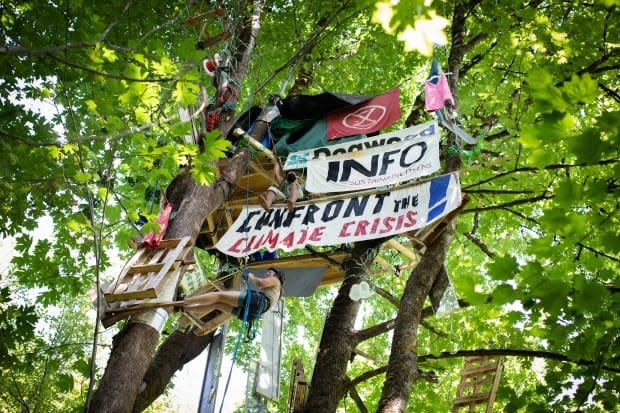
(534,254)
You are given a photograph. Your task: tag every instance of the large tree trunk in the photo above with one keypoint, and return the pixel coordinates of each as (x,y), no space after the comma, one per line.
(134,346)
(171,356)
(403,362)
(329,381)
(429,276)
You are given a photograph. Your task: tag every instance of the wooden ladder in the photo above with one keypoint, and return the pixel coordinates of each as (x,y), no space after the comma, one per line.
(479,382)
(143,279)
(297,389)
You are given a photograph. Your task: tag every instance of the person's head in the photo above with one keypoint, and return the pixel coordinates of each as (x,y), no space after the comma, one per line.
(276,272)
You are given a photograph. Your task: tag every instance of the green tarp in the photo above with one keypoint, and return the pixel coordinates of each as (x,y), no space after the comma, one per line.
(297,135)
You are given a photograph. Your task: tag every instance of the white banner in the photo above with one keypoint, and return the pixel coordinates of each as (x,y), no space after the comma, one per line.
(384,165)
(365,216)
(296,160)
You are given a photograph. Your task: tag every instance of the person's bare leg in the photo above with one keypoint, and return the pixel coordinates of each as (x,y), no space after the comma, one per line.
(293,190)
(201,301)
(267,199)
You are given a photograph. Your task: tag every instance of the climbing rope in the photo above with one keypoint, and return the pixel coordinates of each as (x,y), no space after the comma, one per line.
(245,322)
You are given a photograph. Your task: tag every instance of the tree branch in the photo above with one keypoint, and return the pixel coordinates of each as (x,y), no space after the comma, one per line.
(546,168)
(367,375)
(610,92)
(509,204)
(370,332)
(105,33)
(323,256)
(21,50)
(515,353)
(596,252)
(108,75)
(476,241)
(499,191)
(358,400)
(385,294)
(432,329)
(129,132)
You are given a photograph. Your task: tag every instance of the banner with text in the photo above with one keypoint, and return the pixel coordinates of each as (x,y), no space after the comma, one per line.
(366,216)
(297,160)
(413,157)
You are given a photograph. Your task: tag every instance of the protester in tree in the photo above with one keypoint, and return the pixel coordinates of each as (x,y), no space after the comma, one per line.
(290,189)
(262,294)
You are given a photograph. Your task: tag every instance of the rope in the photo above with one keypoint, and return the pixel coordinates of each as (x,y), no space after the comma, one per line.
(152,197)
(245,275)
(246,311)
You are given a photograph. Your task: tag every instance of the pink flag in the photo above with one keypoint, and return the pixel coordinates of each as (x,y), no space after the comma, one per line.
(367,117)
(436,94)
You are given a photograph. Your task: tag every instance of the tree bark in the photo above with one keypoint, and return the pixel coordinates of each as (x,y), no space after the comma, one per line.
(134,346)
(329,381)
(131,354)
(171,356)
(430,275)
(403,361)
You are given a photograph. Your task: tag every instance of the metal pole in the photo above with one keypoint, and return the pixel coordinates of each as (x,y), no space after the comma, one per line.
(208,395)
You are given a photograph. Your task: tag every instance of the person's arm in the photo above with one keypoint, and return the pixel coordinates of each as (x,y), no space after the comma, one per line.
(264,282)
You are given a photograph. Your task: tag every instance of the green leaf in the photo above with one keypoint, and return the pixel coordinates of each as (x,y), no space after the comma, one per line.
(164,67)
(568,193)
(503,267)
(82,177)
(109,55)
(503,294)
(185,93)
(587,146)
(588,293)
(65,382)
(581,89)
(142,116)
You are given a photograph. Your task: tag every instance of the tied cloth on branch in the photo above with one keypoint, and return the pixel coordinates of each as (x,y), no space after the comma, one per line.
(151,240)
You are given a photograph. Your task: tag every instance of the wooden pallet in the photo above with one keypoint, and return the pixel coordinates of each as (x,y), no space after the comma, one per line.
(479,382)
(143,280)
(144,275)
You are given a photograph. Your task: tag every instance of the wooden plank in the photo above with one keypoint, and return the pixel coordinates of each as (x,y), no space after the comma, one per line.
(131,295)
(142,275)
(386,266)
(480,381)
(168,243)
(144,268)
(392,243)
(478,398)
(297,388)
(495,386)
(261,171)
(212,324)
(479,370)
(171,262)
(139,282)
